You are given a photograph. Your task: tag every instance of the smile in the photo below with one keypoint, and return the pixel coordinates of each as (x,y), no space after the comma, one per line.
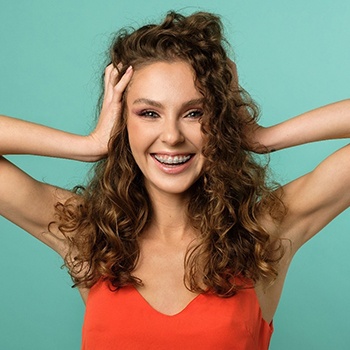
(172,160)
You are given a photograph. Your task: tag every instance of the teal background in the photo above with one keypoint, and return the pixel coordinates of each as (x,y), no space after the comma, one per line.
(292,56)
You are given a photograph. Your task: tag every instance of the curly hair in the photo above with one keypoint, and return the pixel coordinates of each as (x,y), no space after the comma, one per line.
(110,214)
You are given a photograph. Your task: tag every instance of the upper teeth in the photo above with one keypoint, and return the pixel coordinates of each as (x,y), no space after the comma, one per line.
(172,160)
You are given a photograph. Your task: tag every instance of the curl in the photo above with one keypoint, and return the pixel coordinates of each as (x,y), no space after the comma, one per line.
(226,202)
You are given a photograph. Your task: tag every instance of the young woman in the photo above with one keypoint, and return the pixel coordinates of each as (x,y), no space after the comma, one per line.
(178,241)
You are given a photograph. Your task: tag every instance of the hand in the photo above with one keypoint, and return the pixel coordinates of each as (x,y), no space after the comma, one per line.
(111,108)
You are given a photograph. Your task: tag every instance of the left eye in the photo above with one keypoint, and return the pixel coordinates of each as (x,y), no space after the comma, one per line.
(194,114)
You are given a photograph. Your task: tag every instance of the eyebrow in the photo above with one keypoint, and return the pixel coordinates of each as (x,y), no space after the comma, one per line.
(154,103)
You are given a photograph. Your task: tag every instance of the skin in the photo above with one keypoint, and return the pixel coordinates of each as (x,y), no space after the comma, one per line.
(163,120)
(169,127)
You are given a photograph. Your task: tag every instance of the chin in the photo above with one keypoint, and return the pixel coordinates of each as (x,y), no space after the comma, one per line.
(171,189)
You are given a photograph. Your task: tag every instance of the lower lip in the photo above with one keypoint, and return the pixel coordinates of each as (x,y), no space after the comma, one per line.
(171,169)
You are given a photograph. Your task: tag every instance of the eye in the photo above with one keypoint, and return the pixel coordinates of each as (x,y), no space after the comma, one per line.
(148,114)
(195,114)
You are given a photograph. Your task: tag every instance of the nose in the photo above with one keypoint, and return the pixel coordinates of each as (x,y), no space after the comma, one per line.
(171,132)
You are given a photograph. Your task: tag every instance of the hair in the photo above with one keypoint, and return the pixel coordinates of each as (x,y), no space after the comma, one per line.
(104,221)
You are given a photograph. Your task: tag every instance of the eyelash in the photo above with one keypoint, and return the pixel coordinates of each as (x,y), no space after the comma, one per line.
(197,114)
(147,113)
(194,114)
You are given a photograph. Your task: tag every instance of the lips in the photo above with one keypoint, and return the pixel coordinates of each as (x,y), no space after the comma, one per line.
(173,164)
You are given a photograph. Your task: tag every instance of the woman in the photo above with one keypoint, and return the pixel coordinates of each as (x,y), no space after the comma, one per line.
(178,241)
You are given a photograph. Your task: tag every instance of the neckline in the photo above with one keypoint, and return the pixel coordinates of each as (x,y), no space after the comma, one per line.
(178,313)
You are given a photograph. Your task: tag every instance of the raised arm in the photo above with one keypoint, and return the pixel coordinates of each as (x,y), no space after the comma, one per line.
(324,123)
(29,203)
(316,198)
(328,122)
(22,137)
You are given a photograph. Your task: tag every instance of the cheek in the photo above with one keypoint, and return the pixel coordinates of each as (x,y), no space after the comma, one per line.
(197,138)
(134,133)
(141,138)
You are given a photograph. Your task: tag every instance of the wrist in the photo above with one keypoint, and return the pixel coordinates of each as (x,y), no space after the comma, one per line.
(92,149)
(261,140)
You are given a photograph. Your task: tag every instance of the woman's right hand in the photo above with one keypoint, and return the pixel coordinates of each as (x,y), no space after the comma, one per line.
(23,137)
(30,204)
(111,108)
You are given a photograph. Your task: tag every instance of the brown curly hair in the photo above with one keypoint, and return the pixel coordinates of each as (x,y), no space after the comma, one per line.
(111,213)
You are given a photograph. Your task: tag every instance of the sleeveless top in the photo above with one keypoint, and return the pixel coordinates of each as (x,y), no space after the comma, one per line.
(123,319)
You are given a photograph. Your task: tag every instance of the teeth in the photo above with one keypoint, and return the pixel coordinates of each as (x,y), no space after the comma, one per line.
(172,160)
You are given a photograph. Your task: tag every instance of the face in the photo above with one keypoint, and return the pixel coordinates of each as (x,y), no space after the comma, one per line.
(163,120)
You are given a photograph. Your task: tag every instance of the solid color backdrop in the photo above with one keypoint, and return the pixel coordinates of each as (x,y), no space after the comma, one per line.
(292,56)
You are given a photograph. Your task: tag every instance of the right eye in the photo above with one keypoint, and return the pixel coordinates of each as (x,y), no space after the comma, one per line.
(148,114)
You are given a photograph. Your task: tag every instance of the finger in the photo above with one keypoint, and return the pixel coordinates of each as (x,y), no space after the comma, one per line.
(122,84)
(107,72)
(111,75)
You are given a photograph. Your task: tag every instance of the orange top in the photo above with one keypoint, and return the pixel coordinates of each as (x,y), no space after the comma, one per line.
(123,319)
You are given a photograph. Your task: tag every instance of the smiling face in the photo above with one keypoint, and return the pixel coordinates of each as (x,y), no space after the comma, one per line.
(163,121)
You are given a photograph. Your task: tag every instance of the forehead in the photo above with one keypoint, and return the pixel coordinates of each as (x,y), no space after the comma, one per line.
(163,81)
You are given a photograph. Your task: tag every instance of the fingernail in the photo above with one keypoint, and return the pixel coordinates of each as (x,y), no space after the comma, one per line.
(129,69)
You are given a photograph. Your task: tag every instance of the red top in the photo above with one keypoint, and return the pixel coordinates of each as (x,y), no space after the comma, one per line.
(123,319)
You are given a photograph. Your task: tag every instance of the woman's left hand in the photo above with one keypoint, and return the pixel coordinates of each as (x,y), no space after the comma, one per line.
(253,131)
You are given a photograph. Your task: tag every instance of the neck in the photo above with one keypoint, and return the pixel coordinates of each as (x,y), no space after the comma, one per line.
(170,220)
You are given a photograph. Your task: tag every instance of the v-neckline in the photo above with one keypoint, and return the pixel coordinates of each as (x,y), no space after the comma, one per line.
(184,309)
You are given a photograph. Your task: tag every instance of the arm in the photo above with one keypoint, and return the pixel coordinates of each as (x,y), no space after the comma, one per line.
(316,198)
(21,137)
(328,122)
(29,203)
